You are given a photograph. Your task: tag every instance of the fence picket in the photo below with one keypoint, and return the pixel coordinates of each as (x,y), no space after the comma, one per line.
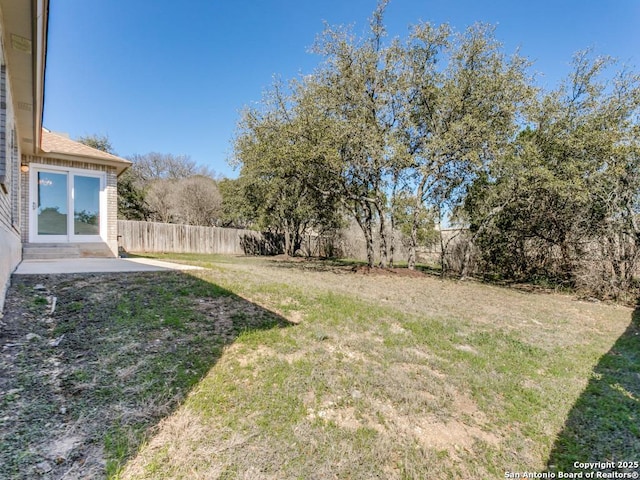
(153,237)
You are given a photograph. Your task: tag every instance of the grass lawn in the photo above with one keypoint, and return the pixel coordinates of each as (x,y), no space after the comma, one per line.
(259,368)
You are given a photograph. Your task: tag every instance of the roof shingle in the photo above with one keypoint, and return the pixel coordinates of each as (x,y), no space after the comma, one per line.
(56,143)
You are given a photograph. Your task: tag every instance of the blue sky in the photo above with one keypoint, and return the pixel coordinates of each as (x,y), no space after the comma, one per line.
(172,77)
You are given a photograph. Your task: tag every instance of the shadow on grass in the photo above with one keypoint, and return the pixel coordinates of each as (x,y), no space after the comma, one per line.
(604,423)
(85,378)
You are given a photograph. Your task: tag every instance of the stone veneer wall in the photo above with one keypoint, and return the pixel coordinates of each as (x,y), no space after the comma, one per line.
(111,190)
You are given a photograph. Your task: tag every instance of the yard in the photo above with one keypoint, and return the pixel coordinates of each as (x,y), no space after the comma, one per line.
(268,368)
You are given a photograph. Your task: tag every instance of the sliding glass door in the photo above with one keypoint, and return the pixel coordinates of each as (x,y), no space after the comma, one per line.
(66,205)
(86,206)
(53,204)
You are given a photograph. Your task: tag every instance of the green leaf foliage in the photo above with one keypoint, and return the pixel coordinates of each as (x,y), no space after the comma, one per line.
(563,203)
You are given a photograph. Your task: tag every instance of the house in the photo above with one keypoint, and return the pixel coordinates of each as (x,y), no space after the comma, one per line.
(57,197)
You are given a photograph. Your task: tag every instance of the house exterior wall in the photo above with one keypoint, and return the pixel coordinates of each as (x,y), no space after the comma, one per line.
(10,246)
(110,187)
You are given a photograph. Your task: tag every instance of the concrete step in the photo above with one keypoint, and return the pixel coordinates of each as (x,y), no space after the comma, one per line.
(47,251)
(30,255)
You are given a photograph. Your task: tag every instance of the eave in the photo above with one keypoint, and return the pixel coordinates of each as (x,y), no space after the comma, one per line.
(24,36)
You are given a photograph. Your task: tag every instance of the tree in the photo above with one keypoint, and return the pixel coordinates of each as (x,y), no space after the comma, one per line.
(197,201)
(563,204)
(131,196)
(163,166)
(272,147)
(132,203)
(164,187)
(447,125)
(160,195)
(380,123)
(170,188)
(415,222)
(418,119)
(236,212)
(457,117)
(99,142)
(356,90)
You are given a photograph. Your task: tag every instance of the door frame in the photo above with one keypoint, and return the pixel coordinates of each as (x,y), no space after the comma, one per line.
(70,237)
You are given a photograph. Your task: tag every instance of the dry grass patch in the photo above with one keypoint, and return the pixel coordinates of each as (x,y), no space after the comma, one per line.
(387,377)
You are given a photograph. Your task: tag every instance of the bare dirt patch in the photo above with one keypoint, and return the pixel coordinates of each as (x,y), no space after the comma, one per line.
(90,363)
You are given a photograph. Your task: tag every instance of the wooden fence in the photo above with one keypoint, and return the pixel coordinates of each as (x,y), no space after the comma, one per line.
(174,238)
(167,237)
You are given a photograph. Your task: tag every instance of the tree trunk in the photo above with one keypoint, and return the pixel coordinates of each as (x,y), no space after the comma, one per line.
(392,217)
(415,219)
(443,257)
(392,239)
(287,239)
(383,237)
(466,261)
(413,242)
(368,234)
(364,218)
(443,246)
(614,242)
(296,237)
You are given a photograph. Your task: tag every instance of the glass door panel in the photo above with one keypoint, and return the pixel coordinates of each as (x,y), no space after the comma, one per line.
(86,205)
(52,203)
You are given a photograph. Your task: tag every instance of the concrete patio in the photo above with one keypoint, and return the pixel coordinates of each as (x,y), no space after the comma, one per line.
(96,265)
